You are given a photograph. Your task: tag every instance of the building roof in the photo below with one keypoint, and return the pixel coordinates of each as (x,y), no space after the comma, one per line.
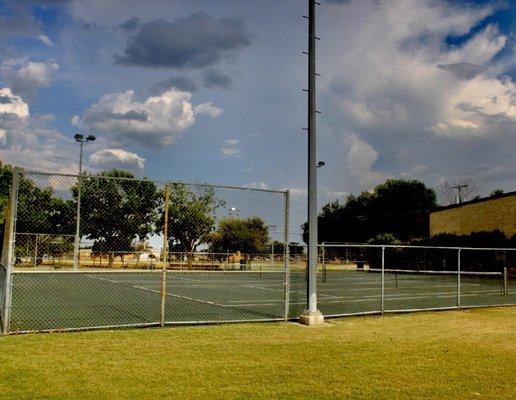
(474,201)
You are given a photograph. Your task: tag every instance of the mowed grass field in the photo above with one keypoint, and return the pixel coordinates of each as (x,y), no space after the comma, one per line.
(469,354)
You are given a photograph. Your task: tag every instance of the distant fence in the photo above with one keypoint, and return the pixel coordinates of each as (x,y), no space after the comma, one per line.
(91,252)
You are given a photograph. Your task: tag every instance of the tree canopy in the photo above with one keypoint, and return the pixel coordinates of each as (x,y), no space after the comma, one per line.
(191,217)
(117,212)
(249,236)
(398,207)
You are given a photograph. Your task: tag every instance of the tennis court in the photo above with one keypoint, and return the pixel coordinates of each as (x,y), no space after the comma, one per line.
(59,300)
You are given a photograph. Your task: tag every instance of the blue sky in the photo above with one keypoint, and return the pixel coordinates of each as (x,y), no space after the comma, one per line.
(211,91)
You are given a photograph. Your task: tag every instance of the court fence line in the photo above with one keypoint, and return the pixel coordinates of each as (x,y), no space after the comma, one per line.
(74,261)
(238,272)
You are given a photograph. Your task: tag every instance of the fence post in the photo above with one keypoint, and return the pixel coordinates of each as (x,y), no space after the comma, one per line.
(505,281)
(323,255)
(286,255)
(165,224)
(458,278)
(383,279)
(163,295)
(9,257)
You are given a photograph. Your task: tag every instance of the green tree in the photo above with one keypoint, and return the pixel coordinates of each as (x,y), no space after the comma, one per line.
(397,206)
(249,236)
(384,238)
(496,192)
(117,210)
(191,218)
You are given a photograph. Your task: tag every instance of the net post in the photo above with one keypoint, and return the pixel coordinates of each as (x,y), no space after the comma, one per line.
(383,279)
(286,255)
(505,281)
(9,260)
(458,278)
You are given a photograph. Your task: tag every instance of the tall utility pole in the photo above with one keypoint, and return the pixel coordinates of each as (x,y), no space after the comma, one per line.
(459,188)
(312,315)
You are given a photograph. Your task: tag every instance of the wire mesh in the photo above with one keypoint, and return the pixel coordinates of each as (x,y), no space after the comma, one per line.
(60,300)
(91,251)
(420,278)
(346,283)
(482,277)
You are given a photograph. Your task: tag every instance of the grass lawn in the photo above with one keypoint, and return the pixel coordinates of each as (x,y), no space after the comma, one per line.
(468,354)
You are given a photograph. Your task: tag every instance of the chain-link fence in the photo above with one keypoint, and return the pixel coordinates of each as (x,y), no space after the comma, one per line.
(360,279)
(85,252)
(109,250)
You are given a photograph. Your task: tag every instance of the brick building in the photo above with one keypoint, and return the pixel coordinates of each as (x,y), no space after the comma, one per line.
(486,214)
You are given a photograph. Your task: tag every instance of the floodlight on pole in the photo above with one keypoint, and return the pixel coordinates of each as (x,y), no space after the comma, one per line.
(79,138)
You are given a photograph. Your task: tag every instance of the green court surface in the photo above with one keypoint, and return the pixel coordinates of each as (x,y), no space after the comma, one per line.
(61,300)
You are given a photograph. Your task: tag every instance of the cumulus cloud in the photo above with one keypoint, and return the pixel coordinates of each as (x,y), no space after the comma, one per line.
(117,158)
(361,159)
(196,41)
(25,77)
(25,141)
(207,109)
(12,105)
(411,98)
(155,122)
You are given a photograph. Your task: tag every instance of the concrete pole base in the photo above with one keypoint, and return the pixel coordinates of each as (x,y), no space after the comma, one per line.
(311,318)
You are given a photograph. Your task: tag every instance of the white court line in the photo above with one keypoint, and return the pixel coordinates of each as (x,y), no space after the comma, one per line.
(329,299)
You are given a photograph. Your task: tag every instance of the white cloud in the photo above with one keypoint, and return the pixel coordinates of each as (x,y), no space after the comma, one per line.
(25,77)
(257,185)
(117,158)
(12,105)
(360,160)
(75,120)
(231,142)
(46,40)
(411,98)
(230,152)
(208,109)
(155,122)
(3,137)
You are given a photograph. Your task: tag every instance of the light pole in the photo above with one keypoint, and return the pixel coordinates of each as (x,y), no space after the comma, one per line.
(81,140)
(312,316)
